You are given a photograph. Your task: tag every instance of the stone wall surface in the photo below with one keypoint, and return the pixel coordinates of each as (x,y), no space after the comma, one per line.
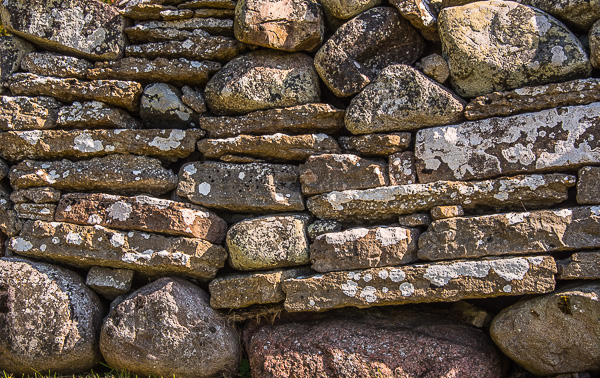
(300,188)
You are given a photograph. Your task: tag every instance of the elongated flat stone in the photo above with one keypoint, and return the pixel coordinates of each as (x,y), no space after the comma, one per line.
(35,195)
(80,144)
(150,254)
(424,283)
(301,119)
(202,47)
(218,4)
(252,187)
(124,94)
(36,211)
(375,144)
(143,31)
(564,138)
(580,266)
(512,234)
(28,113)
(142,213)
(123,174)
(384,203)
(95,115)
(51,64)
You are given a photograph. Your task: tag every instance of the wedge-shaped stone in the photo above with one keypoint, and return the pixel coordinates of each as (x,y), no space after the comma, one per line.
(375,144)
(276,147)
(120,93)
(80,144)
(243,290)
(512,234)
(385,203)
(580,266)
(176,71)
(12,52)
(402,99)
(35,195)
(142,213)
(51,64)
(301,119)
(28,113)
(143,31)
(9,221)
(588,186)
(564,138)
(359,248)
(594,41)
(95,115)
(149,254)
(123,174)
(87,28)
(203,47)
(36,211)
(109,282)
(423,283)
(421,15)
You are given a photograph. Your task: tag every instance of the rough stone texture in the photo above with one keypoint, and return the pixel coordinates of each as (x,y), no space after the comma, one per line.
(322,226)
(275,147)
(36,211)
(4,168)
(434,66)
(299,119)
(79,144)
(28,113)
(49,319)
(415,220)
(12,52)
(512,234)
(124,174)
(361,344)
(530,99)
(580,14)
(108,282)
(558,331)
(243,290)
(168,328)
(329,172)
(375,144)
(360,248)
(89,29)
(149,254)
(365,45)
(421,16)
(588,186)
(269,242)
(35,195)
(161,106)
(553,139)
(218,4)
(142,213)
(9,222)
(486,55)
(252,187)
(580,266)
(95,115)
(51,64)
(402,169)
(263,80)
(345,9)
(402,99)
(444,212)
(194,99)
(119,93)
(594,41)
(150,30)
(435,282)
(384,203)
(145,11)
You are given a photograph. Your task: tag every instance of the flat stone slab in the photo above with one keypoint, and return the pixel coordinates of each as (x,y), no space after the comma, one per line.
(255,187)
(95,115)
(124,174)
(191,46)
(218,4)
(588,186)
(36,211)
(109,282)
(28,113)
(580,266)
(375,144)
(554,139)
(149,254)
(124,94)
(512,234)
(142,213)
(143,31)
(52,64)
(422,283)
(385,203)
(35,195)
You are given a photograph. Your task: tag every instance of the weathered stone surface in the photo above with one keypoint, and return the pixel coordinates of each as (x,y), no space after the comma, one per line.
(79,144)
(194,99)
(89,29)
(415,220)
(329,172)
(359,248)
(373,343)
(36,211)
(275,147)
(142,213)
(444,212)
(4,168)
(108,282)
(95,115)
(512,234)
(51,64)
(364,46)
(563,138)
(421,16)
(345,9)
(542,51)
(145,11)
(9,222)
(148,31)
(251,187)
(280,24)
(434,66)
(187,45)
(120,93)
(580,266)
(168,328)
(12,52)
(530,99)
(402,168)
(557,330)
(299,119)
(594,42)
(35,195)
(218,4)
(28,113)
(322,226)
(580,14)
(269,242)
(123,174)
(435,282)
(149,254)
(588,186)
(384,203)
(375,144)
(162,107)
(49,319)
(243,290)
(263,80)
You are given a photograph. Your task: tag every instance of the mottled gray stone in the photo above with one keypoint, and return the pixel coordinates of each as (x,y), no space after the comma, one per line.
(28,113)
(12,52)
(162,107)
(588,186)
(580,14)
(35,195)
(415,220)
(36,211)
(146,31)
(579,266)
(51,64)
(217,4)
(95,115)
(594,41)
(9,222)
(108,282)
(194,99)
(402,168)
(375,144)
(322,226)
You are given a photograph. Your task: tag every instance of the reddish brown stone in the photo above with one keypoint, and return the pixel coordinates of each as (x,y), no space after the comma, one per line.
(375,144)
(402,168)
(444,212)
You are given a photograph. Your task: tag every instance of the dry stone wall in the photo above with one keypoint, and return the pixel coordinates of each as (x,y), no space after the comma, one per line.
(307,188)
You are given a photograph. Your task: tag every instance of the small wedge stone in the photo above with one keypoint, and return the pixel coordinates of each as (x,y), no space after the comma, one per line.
(36,211)
(322,226)
(402,168)
(580,266)
(9,221)
(12,51)
(109,282)
(415,220)
(444,212)
(35,195)
(95,115)
(375,144)
(588,186)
